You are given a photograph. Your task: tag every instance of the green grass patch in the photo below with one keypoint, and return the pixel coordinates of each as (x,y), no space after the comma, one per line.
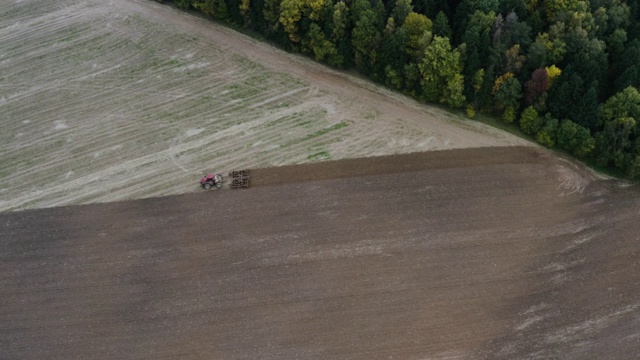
(205,99)
(172,63)
(321,132)
(316,134)
(304,123)
(322,155)
(280,121)
(246,92)
(371,115)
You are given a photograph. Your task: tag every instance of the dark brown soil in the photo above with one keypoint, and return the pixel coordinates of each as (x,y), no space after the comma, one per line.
(488,253)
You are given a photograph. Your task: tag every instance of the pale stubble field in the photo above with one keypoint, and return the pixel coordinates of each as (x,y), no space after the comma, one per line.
(105,101)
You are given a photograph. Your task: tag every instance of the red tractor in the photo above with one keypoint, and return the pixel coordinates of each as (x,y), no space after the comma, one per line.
(210,180)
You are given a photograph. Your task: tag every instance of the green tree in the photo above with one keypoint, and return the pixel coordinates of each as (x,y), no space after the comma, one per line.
(538,54)
(479,51)
(633,170)
(615,143)
(585,143)
(465,12)
(393,54)
(509,115)
(590,61)
(616,42)
(477,80)
(316,10)
(359,7)
(412,79)
(253,17)
(234,15)
(184,4)
(509,31)
(518,7)
(626,70)
(624,104)
(316,42)
(618,15)
(554,8)
(484,97)
(441,26)
(290,15)
(587,109)
(547,135)
(452,93)
(470,112)
(536,21)
(366,39)
(630,77)
(600,19)
(478,34)
(271,14)
(340,21)
(513,60)
(507,92)
(440,71)
(530,121)
(545,139)
(575,138)
(214,8)
(401,10)
(340,32)
(572,98)
(418,28)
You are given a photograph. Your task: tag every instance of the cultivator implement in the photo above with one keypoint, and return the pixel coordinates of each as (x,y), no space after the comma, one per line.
(240,179)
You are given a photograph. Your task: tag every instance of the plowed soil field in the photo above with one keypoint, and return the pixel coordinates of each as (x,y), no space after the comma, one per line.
(493,253)
(489,251)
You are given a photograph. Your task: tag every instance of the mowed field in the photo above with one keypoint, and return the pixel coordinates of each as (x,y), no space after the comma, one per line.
(457,254)
(112,100)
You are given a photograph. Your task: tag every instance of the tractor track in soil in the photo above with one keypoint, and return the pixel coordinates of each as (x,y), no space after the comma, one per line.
(457,254)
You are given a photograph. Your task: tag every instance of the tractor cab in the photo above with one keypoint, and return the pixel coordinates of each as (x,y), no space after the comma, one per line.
(210,180)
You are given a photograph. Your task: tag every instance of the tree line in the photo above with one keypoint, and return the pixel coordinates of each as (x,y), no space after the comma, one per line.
(566,71)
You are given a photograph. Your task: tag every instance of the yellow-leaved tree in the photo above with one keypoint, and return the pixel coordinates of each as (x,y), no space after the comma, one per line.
(290,14)
(552,72)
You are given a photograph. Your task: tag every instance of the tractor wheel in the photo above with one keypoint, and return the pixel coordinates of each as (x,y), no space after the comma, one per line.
(207,186)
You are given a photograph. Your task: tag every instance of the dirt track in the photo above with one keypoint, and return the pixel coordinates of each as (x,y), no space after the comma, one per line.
(463,254)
